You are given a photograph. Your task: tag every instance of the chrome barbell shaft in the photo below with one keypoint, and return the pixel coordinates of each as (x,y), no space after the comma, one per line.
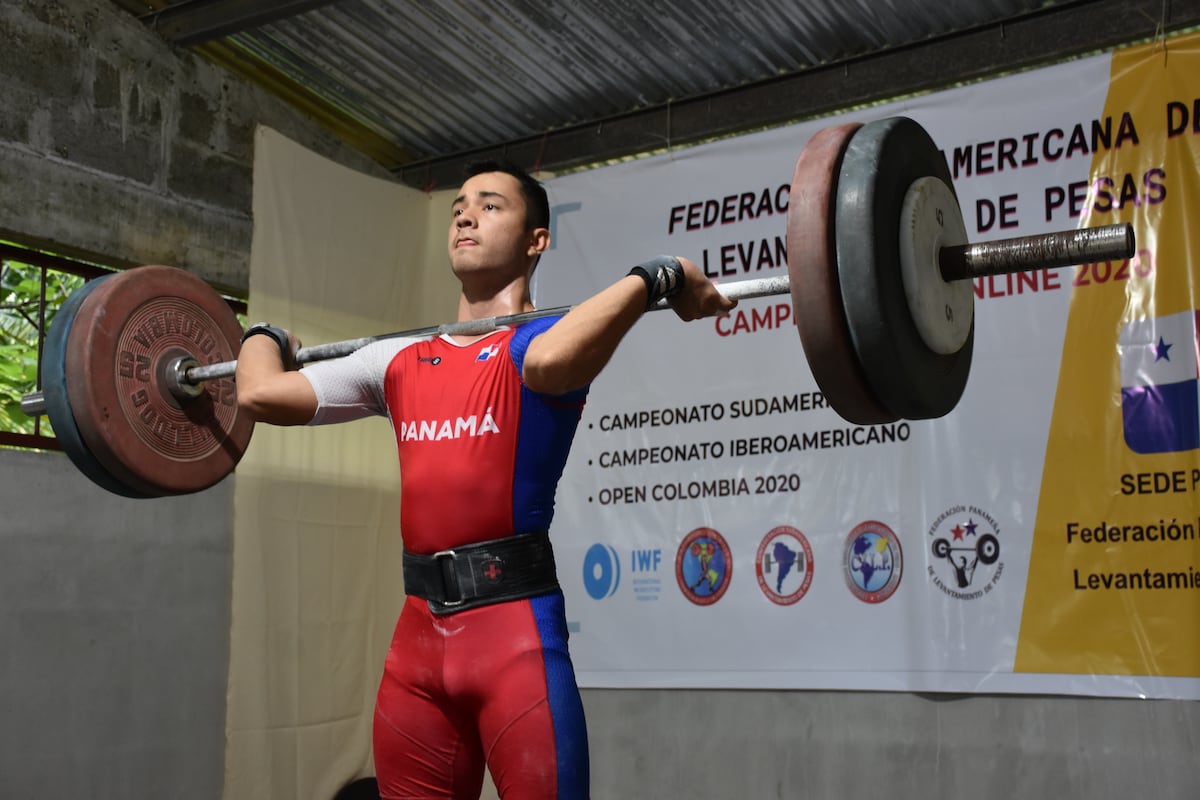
(957,262)
(760,287)
(34,403)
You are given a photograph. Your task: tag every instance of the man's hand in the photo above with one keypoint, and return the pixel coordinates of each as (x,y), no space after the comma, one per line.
(699,296)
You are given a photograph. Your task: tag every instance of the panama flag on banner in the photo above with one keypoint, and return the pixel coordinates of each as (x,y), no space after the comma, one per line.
(1160,383)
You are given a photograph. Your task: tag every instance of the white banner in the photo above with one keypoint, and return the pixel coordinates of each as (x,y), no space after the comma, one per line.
(719,526)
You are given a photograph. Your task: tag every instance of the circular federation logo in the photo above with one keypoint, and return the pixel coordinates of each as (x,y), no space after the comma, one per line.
(873,562)
(703,566)
(601,571)
(784,565)
(964,539)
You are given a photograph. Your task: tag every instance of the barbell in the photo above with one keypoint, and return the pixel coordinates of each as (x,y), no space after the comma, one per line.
(137,369)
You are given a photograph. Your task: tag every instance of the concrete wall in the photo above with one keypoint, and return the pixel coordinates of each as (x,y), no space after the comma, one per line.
(708,745)
(114,637)
(114,614)
(119,147)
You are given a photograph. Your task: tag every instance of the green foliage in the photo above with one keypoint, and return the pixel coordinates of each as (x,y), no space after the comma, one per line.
(20,305)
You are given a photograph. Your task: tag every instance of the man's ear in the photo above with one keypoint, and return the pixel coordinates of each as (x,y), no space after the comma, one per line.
(539,240)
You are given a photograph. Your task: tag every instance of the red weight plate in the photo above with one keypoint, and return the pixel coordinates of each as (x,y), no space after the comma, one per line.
(813,275)
(125,335)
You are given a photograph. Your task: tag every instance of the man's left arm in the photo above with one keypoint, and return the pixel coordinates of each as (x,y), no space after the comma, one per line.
(572,353)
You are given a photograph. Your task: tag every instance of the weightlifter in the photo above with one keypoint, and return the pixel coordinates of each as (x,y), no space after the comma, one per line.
(478,671)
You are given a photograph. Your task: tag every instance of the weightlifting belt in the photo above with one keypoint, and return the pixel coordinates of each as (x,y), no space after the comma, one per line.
(512,568)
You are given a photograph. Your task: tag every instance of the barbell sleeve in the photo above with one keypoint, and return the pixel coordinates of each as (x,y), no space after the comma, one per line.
(1040,251)
(33,404)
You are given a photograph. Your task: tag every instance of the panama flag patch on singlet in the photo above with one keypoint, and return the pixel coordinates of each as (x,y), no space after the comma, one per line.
(488,352)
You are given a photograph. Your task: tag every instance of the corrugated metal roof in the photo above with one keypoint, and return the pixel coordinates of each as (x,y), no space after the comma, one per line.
(415,82)
(443,76)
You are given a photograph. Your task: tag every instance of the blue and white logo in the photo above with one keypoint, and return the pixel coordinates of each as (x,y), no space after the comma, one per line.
(601,571)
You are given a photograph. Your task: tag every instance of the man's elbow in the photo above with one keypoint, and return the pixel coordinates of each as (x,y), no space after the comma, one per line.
(545,380)
(263,405)
(254,403)
(551,376)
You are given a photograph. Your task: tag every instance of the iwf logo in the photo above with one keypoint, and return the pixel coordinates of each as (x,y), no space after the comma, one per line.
(873,562)
(964,539)
(703,566)
(784,565)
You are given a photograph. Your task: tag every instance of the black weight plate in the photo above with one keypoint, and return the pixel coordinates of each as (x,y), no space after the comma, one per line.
(58,403)
(881,162)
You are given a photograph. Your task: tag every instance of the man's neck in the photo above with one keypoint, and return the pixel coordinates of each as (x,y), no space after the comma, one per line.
(512,298)
(479,299)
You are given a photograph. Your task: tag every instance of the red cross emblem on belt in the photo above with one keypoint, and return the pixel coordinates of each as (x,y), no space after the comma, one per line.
(494,570)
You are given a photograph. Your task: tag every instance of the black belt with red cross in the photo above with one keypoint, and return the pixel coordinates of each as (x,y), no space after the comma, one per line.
(479,574)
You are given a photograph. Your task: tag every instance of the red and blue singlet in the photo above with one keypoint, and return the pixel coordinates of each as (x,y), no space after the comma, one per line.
(480,459)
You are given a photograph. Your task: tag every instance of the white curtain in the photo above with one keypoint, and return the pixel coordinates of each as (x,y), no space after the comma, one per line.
(316,553)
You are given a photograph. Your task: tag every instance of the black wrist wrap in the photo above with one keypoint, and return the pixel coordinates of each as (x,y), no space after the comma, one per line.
(281,338)
(663,276)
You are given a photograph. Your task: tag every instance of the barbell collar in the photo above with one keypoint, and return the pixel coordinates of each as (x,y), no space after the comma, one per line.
(176,377)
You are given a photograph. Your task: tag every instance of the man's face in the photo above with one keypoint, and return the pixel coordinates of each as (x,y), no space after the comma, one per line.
(487,227)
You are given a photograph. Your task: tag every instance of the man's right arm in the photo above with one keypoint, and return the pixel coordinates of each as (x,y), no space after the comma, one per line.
(266,391)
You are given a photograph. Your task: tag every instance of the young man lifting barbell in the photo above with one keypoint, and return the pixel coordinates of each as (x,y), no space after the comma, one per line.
(478,671)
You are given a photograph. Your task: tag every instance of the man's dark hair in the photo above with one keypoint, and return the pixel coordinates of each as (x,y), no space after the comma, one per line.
(537,206)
